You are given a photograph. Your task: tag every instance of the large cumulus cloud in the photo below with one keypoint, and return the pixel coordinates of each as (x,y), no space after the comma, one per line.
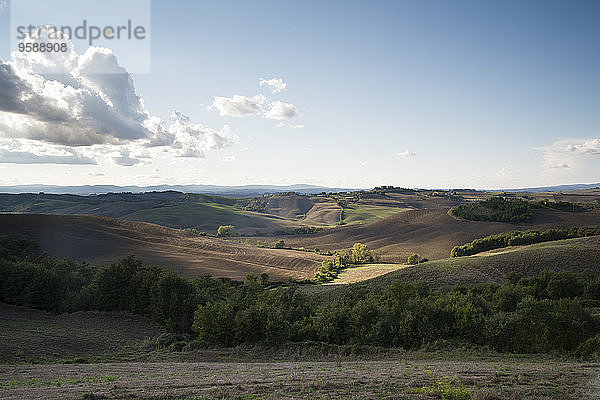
(73,100)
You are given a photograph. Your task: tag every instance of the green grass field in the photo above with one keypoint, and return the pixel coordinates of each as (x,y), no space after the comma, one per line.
(364,214)
(207,213)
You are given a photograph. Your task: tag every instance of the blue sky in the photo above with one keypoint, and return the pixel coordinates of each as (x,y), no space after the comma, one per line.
(407,93)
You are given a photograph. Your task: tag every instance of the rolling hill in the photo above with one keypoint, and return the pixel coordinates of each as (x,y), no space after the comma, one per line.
(172,209)
(101,240)
(575,255)
(431,232)
(205,213)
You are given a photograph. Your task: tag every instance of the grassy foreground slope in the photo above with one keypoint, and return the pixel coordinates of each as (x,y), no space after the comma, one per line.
(30,335)
(101,240)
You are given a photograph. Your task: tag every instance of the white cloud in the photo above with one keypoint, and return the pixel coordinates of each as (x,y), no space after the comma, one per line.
(126,159)
(72,100)
(238,105)
(193,139)
(283,125)
(589,146)
(241,106)
(20,157)
(407,153)
(227,158)
(559,165)
(277,85)
(574,147)
(280,110)
(31,152)
(505,173)
(570,153)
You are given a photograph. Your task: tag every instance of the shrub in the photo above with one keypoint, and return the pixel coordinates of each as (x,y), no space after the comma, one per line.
(361,254)
(413,259)
(226,231)
(590,348)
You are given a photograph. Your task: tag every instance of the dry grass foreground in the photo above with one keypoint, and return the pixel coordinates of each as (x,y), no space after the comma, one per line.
(410,378)
(101,240)
(324,373)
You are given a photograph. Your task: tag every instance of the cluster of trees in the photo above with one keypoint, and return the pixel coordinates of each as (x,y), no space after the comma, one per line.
(195,231)
(560,205)
(545,313)
(330,269)
(36,280)
(517,238)
(301,230)
(541,314)
(496,209)
(415,259)
(226,231)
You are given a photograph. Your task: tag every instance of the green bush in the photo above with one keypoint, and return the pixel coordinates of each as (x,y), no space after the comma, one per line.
(226,231)
(413,259)
(496,209)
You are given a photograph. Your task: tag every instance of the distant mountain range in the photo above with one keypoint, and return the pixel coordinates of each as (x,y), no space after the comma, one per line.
(232,191)
(558,188)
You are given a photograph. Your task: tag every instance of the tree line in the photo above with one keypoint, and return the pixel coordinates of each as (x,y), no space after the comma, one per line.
(517,238)
(544,313)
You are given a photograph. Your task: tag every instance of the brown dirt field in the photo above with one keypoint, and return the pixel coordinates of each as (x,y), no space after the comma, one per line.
(430,232)
(294,207)
(101,240)
(421,201)
(408,378)
(575,196)
(324,213)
